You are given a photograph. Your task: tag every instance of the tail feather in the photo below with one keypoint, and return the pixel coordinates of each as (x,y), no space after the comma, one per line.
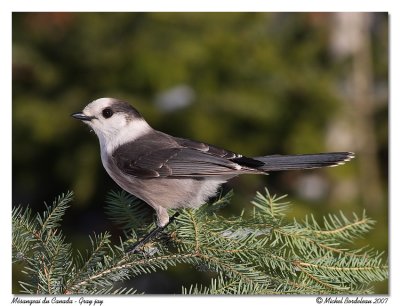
(304,161)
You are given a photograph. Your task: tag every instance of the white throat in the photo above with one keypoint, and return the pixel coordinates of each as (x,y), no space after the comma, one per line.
(130,132)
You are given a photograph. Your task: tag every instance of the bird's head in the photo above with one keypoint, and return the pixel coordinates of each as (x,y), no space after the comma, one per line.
(114,121)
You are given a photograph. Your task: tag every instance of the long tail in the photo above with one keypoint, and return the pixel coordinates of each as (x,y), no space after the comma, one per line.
(304,161)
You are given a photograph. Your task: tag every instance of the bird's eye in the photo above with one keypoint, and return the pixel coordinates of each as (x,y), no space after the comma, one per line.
(107,112)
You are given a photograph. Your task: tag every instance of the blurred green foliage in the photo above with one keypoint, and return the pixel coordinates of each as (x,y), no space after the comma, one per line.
(262,83)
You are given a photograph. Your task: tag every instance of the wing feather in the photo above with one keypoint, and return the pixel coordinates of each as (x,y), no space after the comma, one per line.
(145,159)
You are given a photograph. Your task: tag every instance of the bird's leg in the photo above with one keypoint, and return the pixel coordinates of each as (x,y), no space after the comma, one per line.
(150,236)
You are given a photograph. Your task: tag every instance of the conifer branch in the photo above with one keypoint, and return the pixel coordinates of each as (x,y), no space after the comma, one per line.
(264,253)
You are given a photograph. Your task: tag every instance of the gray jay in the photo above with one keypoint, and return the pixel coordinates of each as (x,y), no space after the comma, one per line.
(171,172)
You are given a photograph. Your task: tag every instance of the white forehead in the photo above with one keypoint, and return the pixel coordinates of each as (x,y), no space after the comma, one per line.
(99,104)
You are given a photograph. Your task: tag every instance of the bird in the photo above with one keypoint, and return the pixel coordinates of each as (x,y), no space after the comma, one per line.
(170,172)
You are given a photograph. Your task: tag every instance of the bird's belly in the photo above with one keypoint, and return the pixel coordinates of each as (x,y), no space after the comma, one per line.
(172,193)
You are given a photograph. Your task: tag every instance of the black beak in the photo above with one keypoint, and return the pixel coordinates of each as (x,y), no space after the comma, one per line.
(81,116)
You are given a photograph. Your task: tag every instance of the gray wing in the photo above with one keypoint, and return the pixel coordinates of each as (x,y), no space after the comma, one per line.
(177,158)
(206,148)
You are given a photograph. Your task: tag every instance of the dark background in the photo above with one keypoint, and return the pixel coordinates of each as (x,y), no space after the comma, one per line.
(255,83)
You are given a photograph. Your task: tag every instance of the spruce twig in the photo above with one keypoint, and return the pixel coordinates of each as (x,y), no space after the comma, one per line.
(265,253)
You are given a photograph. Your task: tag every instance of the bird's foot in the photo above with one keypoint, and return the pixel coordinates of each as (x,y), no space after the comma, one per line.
(150,236)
